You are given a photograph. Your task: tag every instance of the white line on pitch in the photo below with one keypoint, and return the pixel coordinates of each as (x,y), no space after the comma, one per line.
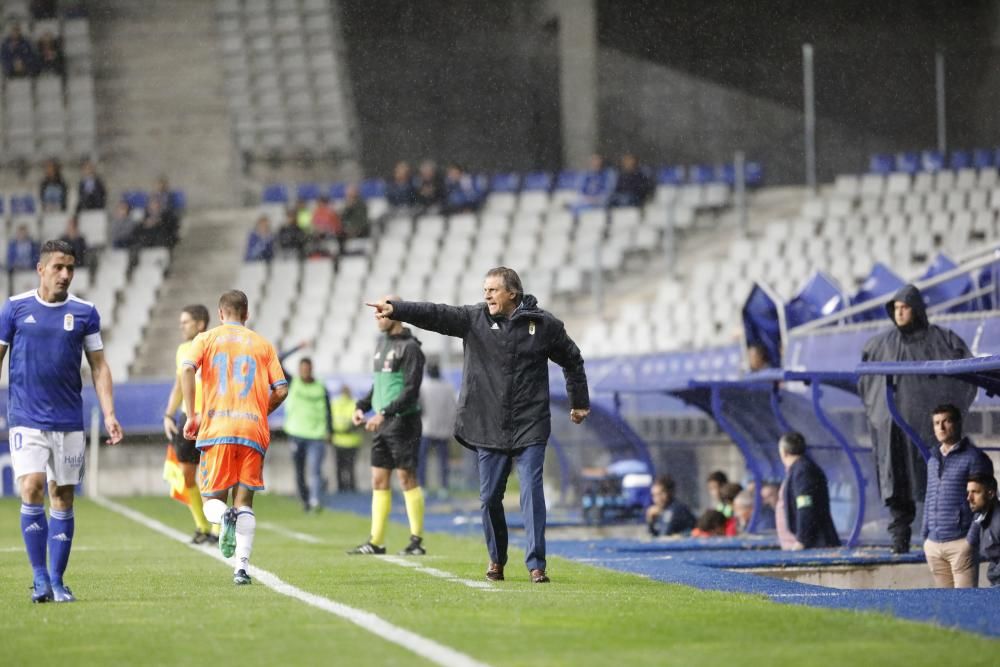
(302,537)
(411,641)
(440,574)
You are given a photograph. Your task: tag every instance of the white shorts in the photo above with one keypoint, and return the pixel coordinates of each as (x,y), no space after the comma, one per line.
(60,455)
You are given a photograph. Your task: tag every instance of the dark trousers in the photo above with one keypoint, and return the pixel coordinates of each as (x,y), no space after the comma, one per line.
(344,457)
(440,445)
(494,468)
(903,511)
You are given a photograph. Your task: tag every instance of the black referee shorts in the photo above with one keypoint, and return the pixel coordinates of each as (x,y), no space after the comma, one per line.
(397,443)
(184,448)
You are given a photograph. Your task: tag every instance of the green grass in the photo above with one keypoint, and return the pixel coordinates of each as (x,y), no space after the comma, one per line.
(145,599)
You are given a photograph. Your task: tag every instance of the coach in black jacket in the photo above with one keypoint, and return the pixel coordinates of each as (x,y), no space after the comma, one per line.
(806,496)
(503,408)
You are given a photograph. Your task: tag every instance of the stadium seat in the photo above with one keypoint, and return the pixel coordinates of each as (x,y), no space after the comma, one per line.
(960,160)
(882,164)
(932,161)
(982,158)
(674,175)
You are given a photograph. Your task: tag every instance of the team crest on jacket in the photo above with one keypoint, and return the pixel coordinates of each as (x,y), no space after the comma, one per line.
(531,328)
(68,322)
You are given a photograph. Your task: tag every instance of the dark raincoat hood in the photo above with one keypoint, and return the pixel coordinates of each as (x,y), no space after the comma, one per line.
(912,297)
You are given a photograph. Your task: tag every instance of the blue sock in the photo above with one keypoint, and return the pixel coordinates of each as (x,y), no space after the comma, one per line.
(35,530)
(61,525)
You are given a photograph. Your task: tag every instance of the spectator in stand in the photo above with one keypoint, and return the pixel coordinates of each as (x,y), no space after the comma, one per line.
(430,187)
(667,515)
(947,517)
(757,357)
(161,193)
(727,498)
(91,193)
(768,504)
(806,497)
(713,483)
(303,216)
(22,251)
(50,55)
(157,229)
(461,194)
(43,9)
(595,189)
(400,193)
(52,190)
(122,226)
(711,523)
(73,237)
(984,534)
(16,55)
(291,238)
(743,510)
(260,243)
(326,222)
(354,215)
(633,187)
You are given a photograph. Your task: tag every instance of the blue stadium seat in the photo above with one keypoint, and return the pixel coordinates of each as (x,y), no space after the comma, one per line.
(506,182)
(820,297)
(908,163)
(760,323)
(754,173)
(569,179)
(22,204)
(481,183)
(372,187)
(338,190)
(982,158)
(178,200)
(931,161)
(307,192)
(960,160)
(537,181)
(701,174)
(948,290)
(276,193)
(136,199)
(881,163)
(670,175)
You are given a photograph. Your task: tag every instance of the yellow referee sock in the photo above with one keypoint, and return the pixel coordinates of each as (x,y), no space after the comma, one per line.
(381,504)
(195,504)
(415,510)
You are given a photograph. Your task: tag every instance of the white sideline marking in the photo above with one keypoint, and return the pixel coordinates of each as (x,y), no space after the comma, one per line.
(411,641)
(440,574)
(302,537)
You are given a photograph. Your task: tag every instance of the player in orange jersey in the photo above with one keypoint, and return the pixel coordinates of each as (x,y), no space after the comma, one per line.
(242,383)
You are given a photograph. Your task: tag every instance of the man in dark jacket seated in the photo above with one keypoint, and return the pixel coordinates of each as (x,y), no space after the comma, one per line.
(806,496)
(984,534)
(667,515)
(504,413)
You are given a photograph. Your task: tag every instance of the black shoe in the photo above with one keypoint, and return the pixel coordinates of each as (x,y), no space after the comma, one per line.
(241,578)
(495,572)
(202,538)
(367,549)
(414,548)
(899,548)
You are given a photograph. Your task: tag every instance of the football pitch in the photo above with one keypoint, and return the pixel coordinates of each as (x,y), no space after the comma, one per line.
(146,598)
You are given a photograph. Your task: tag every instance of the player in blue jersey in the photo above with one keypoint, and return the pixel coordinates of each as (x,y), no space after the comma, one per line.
(47,331)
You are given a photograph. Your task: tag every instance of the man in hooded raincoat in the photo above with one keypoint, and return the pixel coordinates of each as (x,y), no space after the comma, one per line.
(901,470)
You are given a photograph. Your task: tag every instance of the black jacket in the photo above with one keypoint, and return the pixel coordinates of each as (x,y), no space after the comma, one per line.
(504,402)
(984,535)
(901,470)
(807,505)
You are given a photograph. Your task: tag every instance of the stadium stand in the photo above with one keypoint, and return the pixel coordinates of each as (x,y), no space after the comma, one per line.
(285,78)
(49,115)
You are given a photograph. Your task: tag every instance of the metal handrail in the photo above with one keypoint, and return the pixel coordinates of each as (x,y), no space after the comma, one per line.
(984,257)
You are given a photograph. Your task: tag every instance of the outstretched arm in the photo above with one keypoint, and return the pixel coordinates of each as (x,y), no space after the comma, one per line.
(447,320)
(101,375)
